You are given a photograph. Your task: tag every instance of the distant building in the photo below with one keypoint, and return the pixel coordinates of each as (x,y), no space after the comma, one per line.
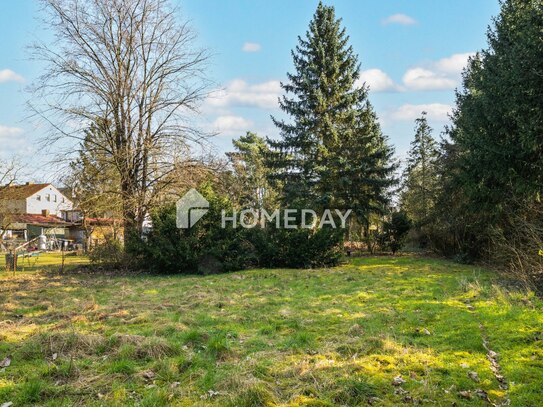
(30,210)
(34,199)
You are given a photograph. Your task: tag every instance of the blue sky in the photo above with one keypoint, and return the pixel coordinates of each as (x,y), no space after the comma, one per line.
(411,54)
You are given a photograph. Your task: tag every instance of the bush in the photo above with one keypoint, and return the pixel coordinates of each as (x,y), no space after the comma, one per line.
(299,248)
(395,232)
(207,248)
(109,253)
(517,246)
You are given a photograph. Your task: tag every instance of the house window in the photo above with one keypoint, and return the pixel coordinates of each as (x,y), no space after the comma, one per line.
(54,198)
(48,198)
(38,197)
(63,200)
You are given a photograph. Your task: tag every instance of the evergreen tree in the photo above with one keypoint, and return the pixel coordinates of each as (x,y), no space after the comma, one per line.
(93,179)
(363,169)
(250,172)
(420,177)
(333,152)
(497,165)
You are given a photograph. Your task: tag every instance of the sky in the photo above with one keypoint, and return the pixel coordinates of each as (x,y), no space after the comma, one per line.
(411,53)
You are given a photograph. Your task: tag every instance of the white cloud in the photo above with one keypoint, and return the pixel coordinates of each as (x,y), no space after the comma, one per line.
(426,79)
(13,143)
(7,75)
(443,74)
(378,81)
(251,47)
(239,93)
(436,112)
(454,64)
(401,19)
(7,133)
(230,124)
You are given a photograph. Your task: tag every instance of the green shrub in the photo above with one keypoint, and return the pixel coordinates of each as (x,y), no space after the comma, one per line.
(395,232)
(110,253)
(298,248)
(205,248)
(208,248)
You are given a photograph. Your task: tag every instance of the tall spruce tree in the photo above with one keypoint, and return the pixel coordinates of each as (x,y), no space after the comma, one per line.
(420,177)
(333,151)
(495,161)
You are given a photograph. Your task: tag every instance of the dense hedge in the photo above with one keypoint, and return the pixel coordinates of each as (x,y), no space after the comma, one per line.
(207,248)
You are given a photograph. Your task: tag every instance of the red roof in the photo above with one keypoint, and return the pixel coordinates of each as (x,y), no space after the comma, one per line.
(101,221)
(49,220)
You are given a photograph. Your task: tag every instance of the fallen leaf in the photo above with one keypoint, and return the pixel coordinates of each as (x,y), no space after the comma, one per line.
(55,356)
(373,400)
(398,381)
(481,394)
(474,376)
(492,354)
(465,394)
(6,362)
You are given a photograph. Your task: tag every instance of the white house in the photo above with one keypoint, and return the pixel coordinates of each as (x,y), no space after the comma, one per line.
(29,210)
(34,199)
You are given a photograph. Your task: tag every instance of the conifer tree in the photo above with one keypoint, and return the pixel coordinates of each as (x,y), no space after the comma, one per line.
(420,177)
(250,171)
(332,152)
(493,171)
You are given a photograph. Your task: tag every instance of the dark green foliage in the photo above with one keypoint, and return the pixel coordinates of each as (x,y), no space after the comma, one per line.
(205,248)
(93,178)
(492,168)
(208,248)
(395,231)
(333,153)
(299,248)
(250,186)
(421,180)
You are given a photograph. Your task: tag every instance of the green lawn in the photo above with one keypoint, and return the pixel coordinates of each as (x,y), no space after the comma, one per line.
(272,337)
(50,261)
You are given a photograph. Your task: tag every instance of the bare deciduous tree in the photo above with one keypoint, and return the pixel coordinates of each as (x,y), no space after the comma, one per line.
(131,69)
(9,173)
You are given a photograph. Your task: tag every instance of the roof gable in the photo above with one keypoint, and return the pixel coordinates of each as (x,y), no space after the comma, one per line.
(20,192)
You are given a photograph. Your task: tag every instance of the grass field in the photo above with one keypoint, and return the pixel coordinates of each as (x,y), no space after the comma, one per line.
(378,331)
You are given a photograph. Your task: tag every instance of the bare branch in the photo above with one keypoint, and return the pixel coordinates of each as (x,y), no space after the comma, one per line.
(130,70)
